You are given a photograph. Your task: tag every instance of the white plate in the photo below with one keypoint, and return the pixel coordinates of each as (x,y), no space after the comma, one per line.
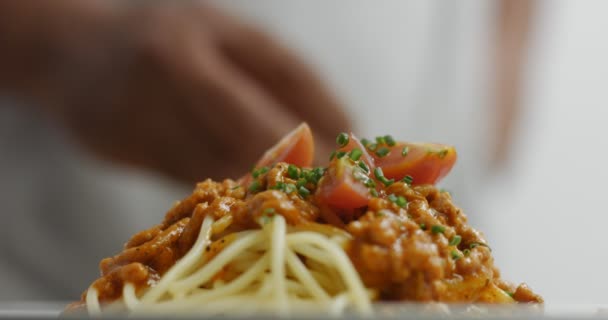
(51,310)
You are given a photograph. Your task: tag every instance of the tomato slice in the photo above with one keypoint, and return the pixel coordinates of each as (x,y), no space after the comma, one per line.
(354,143)
(339,187)
(296,147)
(426,163)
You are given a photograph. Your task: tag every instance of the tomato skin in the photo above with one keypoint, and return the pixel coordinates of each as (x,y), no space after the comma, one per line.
(297,147)
(426,163)
(340,189)
(355,143)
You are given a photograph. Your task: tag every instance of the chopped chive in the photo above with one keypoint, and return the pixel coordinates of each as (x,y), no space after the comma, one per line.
(389,140)
(279,186)
(365,142)
(340,154)
(392,198)
(408,180)
(269,211)
(423,226)
(258,172)
(363,166)
(401,202)
(289,188)
(293,172)
(255,186)
(373,192)
(455,240)
(332,155)
(387,182)
(301,182)
(378,173)
(511,294)
(437,229)
(318,174)
(405,151)
(455,255)
(372,146)
(303,191)
(473,245)
(307,175)
(342,139)
(383,152)
(356,154)
(442,153)
(235,187)
(380,176)
(370,183)
(466,252)
(380,140)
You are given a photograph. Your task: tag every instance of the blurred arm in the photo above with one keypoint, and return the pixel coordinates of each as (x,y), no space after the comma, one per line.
(34,36)
(514,20)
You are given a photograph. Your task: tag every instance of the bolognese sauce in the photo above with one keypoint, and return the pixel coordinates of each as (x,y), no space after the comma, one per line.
(407,240)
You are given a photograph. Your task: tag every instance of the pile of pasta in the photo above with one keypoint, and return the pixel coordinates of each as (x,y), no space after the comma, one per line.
(289,238)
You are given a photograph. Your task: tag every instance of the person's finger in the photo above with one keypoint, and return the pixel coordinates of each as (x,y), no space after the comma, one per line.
(283,74)
(241,118)
(286,77)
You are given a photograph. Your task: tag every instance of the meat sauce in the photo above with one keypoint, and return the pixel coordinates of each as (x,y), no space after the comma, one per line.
(421,251)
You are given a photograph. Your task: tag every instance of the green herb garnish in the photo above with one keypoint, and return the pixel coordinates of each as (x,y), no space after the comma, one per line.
(473,245)
(356,154)
(455,240)
(405,151)
(363,166)
(255,186)
(401,201)
(258,172)
(365,142)
(436,229)
(289,188)
(342,139)
(383,152)
(332,155)
(293,172)
(455,255)
(389,140)
(303,191)
(380,176)
(408,180)
(370,183)
(392,198)
(301,182)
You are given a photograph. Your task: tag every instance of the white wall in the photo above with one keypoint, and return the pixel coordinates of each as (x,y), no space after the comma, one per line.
(548,212)
(416,69)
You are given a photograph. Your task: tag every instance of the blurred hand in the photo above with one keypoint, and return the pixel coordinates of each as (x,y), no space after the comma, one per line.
(184,89)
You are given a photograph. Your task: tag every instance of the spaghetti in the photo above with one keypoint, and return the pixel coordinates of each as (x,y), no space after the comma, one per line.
(288,238)
(263,284)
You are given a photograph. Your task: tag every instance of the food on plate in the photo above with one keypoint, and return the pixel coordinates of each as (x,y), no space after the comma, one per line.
(289,237)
